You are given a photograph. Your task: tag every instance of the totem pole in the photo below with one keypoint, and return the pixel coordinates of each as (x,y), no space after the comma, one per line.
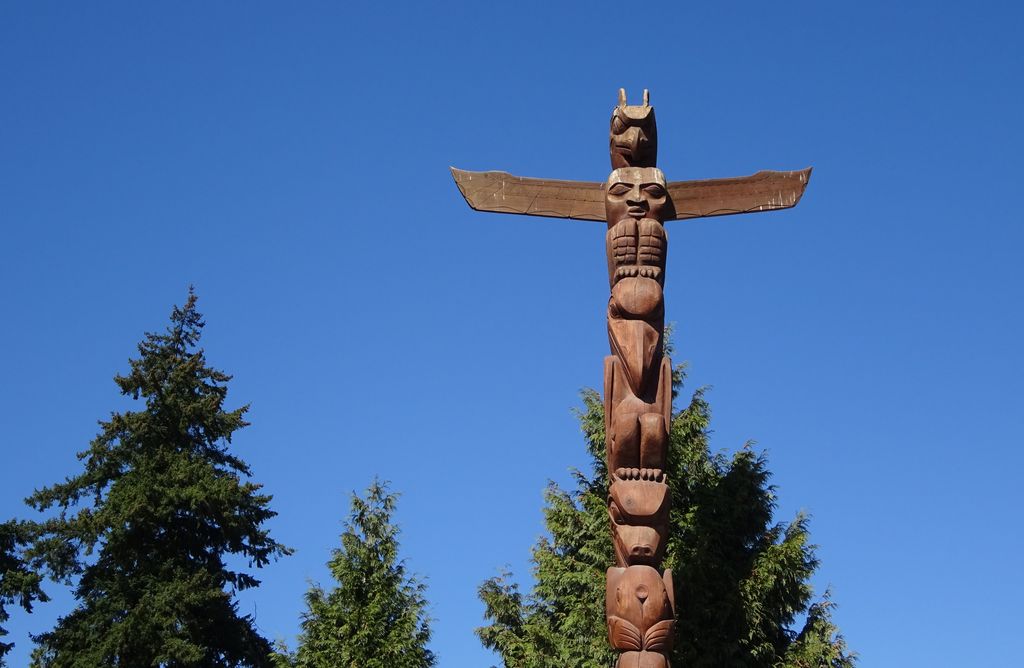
(639,601)
(635,202)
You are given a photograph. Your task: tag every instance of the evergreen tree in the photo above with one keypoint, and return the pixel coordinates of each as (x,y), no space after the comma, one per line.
(146,528)
(741,580)
(19,583)
(375,616)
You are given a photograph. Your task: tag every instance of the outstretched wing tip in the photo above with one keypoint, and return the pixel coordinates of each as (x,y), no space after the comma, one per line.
(767,190)
(805,179)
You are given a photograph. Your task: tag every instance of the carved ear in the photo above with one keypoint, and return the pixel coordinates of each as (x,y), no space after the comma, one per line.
(622,97)
(647,98)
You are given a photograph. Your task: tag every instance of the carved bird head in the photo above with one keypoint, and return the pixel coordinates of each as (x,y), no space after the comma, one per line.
(634,134)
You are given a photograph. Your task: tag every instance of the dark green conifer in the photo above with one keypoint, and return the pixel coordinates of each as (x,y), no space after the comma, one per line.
(743,598)
(19,582)
(375,615)
(152,531)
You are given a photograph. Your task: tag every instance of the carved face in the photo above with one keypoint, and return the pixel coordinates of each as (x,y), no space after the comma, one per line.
(634,136)
(639,513)
(635,192)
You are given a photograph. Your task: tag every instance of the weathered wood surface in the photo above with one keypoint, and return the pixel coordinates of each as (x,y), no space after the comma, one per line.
(635,202)
(501,192)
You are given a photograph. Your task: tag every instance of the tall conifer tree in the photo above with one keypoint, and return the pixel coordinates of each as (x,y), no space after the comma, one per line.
(375,616)
(743,597)
(145,530)
(19,582)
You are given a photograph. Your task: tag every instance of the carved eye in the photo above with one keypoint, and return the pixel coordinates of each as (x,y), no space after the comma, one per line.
(618,127)
(613,510)
(619,189)
(655,190)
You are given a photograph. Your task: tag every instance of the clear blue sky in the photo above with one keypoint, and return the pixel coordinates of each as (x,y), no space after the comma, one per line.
(291,162)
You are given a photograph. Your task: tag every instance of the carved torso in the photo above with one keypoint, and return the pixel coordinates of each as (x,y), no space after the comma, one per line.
(636,248)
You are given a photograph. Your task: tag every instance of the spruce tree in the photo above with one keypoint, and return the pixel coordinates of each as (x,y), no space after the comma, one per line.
(375,615)
(146,530)
(19,582)
(742,593)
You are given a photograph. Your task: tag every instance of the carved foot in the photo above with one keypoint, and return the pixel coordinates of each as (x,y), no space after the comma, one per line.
(652,475)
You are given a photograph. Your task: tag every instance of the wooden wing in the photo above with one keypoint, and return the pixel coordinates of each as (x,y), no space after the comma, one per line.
(502,192)
(765,191)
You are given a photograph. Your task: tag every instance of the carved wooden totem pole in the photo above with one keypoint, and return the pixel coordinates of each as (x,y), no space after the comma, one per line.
(635,202)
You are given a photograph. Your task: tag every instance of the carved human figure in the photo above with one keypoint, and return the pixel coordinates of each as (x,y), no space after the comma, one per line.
(637,376)
(636,246)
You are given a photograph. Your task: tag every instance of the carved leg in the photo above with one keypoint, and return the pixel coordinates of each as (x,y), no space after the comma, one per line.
(626,442)
(653,441)
(636,432)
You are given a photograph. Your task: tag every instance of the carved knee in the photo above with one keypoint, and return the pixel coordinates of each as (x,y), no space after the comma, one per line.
(653,441)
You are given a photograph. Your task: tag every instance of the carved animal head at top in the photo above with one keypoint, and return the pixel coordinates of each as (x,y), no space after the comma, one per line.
(634,134)
(636,192)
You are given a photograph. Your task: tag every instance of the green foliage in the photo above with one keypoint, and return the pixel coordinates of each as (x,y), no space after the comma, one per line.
(375,616)
(146,526)
(19,583)
(741,580)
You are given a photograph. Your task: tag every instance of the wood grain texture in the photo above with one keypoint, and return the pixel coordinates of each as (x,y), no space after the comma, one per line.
(501,192)
(635,202)
(766,190)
